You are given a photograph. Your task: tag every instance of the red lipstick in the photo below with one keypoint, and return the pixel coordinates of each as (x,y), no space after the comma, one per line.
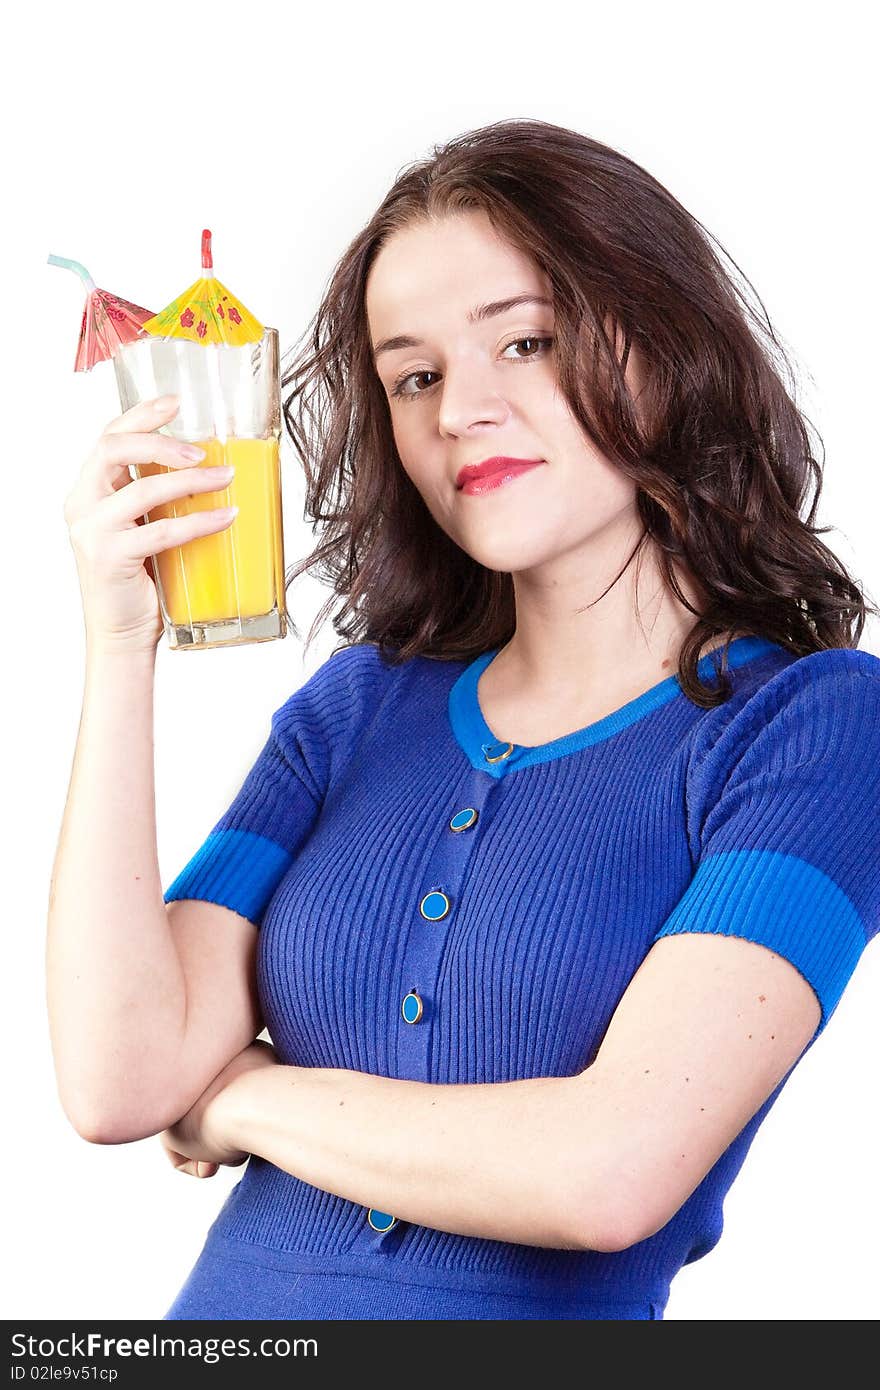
(477,478)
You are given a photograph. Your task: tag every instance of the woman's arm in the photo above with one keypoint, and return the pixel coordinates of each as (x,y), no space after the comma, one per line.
(705,1032)
(115,985)
(147,1001)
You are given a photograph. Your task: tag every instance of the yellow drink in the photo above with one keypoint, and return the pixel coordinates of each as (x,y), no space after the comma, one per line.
(237,572)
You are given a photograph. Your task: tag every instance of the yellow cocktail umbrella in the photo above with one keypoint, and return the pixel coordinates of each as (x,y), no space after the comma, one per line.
(207,312)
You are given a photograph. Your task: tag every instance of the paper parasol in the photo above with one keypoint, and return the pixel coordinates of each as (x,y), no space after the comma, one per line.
(108,322)
(207,312)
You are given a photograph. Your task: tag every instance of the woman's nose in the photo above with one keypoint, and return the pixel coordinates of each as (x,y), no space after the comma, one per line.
(469,397)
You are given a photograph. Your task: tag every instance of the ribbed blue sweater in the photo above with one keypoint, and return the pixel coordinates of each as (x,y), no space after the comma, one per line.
(437,905)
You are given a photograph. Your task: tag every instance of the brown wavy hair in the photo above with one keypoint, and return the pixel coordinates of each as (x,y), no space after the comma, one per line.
(721,454)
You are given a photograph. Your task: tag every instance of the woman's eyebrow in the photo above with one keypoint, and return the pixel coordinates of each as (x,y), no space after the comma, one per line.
(477,315)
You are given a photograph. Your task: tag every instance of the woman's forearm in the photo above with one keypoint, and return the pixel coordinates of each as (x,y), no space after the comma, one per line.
(115,986)
(501,1161)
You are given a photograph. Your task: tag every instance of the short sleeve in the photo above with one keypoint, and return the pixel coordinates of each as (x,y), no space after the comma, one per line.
(253,844)
(786,818)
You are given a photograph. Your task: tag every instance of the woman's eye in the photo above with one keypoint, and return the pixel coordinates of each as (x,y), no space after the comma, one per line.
(413,376)
(532,341)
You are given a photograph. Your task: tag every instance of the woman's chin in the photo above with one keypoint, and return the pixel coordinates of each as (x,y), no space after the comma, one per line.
(506,557)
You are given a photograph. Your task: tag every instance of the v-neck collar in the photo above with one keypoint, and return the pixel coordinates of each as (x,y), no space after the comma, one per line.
(489,754)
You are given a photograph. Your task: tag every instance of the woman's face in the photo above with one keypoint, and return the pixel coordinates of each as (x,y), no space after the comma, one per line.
(465,391)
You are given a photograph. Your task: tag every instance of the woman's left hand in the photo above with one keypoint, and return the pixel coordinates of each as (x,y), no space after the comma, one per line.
(195,1143)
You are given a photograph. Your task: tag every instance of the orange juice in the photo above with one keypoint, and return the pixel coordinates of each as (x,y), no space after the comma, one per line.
(237,572)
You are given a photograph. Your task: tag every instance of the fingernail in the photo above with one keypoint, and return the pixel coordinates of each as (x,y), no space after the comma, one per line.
(164,402)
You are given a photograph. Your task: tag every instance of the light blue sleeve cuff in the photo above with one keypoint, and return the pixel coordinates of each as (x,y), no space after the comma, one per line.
(783,903)
(236,869)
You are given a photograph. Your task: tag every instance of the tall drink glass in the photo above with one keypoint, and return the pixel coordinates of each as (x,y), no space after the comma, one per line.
(227,588)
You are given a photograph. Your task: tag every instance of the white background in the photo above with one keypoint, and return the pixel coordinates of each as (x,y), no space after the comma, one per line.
(131,128)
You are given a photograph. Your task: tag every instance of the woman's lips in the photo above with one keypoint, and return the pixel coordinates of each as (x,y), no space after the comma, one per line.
(504,474)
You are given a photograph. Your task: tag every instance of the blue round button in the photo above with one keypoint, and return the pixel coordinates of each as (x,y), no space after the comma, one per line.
(463,820)
(434,905)
(411,1008)
(381,1220)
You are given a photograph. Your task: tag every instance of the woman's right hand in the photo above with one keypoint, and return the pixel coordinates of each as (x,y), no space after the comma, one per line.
(104,512)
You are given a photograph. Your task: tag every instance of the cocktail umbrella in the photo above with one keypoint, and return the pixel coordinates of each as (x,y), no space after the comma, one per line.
(207,312)
(108,322)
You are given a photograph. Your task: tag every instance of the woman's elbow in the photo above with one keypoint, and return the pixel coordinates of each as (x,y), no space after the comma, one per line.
(89,1123)
(594,1224)
(98,1128)
(107,1126)
(96,1132)
(612,1217)
(604,1233)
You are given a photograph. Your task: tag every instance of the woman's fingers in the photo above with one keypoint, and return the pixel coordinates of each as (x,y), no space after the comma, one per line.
(106,469)
(129,504)
(146,415)
(194,1167)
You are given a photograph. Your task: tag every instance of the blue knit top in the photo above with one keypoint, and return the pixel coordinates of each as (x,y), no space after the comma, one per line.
(438,905)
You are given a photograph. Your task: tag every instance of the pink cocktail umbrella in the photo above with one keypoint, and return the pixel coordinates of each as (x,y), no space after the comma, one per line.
(108,322)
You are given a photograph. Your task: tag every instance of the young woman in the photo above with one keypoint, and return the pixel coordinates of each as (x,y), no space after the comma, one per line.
(546,879)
